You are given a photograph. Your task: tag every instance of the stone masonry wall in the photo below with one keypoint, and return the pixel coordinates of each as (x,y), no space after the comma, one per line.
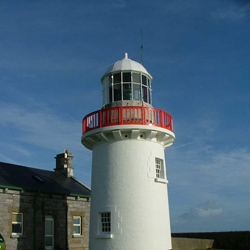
(35,207)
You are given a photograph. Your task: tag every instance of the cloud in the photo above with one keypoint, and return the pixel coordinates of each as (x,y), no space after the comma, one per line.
(205,164)
(211,217)
(38,131)
(231,12)
(39,126)
(208,209)
(199,218)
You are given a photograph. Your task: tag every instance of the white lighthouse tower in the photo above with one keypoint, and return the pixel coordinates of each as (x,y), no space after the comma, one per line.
(129,196)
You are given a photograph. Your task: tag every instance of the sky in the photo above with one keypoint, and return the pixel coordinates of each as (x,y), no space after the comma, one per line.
(54,53)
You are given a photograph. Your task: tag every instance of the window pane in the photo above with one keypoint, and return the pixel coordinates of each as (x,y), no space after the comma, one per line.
(127,92)
(144,94)
(48,227)
(126,77)
(77,230)
(17,228)
(17,217)
(76,220)
(137,92)
(110,93)
(148,82)
(136,78)
(48,241)
(117,78)
(14,217)
(117,92)
(144,80)
(149,96)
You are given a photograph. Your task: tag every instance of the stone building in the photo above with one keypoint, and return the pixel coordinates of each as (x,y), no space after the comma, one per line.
(43,209)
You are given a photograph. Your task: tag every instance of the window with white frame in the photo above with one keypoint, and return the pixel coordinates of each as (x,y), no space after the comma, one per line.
(105,222)
(17,223)
(77,225)
(159,168)
(49,232)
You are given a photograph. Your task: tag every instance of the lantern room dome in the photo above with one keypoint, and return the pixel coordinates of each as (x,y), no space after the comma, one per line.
(126,64)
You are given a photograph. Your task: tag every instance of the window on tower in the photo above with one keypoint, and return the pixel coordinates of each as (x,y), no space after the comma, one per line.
(105,222)
(160,175)
(104,230)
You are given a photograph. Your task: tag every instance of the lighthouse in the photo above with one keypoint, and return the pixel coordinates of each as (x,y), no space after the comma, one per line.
(128,136)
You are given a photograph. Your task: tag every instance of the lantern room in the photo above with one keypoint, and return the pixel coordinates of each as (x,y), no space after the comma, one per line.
(126,83)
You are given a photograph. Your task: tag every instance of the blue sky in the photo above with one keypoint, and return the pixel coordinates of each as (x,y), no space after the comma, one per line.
(53,54)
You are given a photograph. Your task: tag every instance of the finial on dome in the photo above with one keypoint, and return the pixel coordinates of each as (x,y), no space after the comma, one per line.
(125,55)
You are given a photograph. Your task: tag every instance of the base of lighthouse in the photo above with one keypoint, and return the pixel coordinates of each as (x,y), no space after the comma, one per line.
(129,205)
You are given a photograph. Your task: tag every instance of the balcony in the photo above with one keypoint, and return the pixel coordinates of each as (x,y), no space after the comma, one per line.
(127,115)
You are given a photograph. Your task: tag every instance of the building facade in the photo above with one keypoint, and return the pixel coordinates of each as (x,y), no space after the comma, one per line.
(43,209)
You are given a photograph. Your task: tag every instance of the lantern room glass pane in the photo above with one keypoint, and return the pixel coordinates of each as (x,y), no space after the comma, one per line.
(127,91)
(117,92)
(148,83)
(110,94)
(149,96)
(144,80)
(145,94)
(126,77)
(136,92)
(117,78)
(136,77)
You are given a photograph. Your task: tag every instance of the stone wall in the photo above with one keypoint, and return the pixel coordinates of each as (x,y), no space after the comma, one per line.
(35,207)
(191,244)
(222,240)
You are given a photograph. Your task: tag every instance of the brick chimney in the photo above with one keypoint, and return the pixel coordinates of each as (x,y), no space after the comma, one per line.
(64,163)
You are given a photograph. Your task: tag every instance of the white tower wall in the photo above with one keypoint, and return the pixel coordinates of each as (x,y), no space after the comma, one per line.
(124,183)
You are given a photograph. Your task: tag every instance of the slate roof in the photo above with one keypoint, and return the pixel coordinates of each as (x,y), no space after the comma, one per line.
(32,179)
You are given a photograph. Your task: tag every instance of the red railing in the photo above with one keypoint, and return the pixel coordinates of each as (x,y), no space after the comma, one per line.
(127,115)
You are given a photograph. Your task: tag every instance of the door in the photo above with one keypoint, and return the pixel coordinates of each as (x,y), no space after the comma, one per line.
(49,232)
